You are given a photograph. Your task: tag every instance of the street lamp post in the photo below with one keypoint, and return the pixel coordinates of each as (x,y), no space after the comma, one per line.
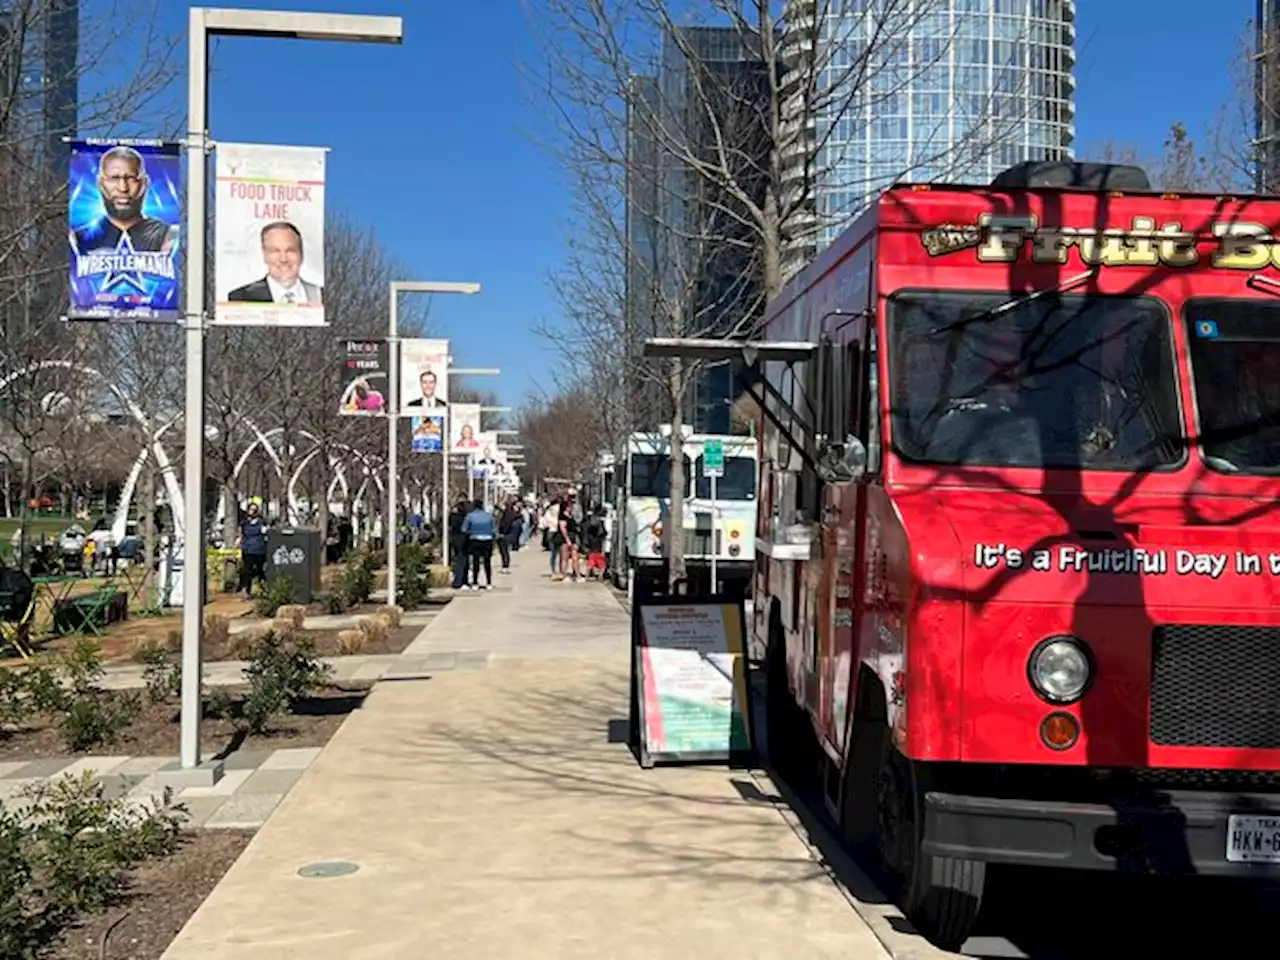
(206,22)
(393,415)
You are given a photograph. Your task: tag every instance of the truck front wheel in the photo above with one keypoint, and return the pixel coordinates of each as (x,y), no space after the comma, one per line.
(940,896)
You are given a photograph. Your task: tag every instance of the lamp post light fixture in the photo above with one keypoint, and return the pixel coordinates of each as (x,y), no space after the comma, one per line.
(203,23)
(393,481)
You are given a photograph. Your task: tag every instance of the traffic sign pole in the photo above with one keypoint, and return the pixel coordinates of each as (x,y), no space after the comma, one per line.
(713,469)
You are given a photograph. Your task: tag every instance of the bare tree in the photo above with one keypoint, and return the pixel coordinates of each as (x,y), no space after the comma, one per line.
(562,436)
(707,143)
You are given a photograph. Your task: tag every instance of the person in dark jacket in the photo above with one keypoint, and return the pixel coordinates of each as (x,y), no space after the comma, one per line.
(458,543)
(509,520)
(252,542)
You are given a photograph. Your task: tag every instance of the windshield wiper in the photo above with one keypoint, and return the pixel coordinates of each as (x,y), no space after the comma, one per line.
(1013,304)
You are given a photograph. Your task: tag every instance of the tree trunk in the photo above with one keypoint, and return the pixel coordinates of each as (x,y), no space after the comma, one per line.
(673,531)
(231,522)
(28,491)
(150,531)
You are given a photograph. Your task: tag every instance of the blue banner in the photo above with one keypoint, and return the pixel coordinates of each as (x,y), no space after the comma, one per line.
(428,433)
(124,221)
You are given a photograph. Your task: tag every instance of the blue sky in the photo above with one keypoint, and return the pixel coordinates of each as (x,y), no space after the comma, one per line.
(436,142)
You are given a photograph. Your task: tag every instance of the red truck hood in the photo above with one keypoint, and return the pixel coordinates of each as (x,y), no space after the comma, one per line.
(1010,547)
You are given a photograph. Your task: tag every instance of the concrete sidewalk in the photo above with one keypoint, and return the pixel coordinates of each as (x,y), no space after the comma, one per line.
(492,814)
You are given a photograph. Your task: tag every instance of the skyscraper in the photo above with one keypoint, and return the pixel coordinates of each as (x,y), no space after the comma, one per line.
(953,90)
(39,70)
(691,256)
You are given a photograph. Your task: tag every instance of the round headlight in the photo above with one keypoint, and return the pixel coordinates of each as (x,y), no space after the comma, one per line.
(734,549)
(1060,669)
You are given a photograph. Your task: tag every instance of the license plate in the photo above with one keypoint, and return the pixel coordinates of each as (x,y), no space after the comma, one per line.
(1253,839)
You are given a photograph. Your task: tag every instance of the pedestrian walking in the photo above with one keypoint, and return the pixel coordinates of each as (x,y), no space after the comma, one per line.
(458,542)
(480,531)
(252,541)
(508,532)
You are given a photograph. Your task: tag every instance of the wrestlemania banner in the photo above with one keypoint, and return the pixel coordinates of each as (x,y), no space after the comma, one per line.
(124,217)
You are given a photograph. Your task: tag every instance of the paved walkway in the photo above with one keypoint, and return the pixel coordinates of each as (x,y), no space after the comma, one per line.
(492,814)
(252,787)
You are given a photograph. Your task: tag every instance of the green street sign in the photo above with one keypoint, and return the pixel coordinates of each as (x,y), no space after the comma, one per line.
(713,458)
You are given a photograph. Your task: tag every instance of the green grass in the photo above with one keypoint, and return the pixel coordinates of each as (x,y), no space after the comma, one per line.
(36,525)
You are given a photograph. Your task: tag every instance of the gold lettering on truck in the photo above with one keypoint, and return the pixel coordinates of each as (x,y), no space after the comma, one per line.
(1008,238)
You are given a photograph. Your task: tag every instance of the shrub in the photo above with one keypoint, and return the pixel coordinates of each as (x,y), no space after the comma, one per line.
(66,853)
(162,677)
(440,577)
(91,716)
(335,602)
(16,705)
(358,576)
(145,649)
(414,585)
(283,669)
(351,642)
(394,615)
(276,593)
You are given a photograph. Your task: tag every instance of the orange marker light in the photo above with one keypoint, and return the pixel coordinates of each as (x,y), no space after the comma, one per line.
(1060,731)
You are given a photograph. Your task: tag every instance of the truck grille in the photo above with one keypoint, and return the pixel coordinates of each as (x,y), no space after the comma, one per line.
(1215,686)
(697,543)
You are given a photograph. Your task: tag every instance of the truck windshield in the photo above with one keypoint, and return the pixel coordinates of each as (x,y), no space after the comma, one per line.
(1062,381)
(1235,367)
(738,482)
(651,475)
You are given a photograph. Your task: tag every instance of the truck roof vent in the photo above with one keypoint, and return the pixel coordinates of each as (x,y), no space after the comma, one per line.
(1070,175)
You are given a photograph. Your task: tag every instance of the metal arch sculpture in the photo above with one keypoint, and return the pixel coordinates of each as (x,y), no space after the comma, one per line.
(262,438)
(162,457)
(120,524)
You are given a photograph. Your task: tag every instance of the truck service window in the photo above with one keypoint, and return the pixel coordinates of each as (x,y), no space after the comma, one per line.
(651,475)
(738,482)
(1235,367)
(1060,381)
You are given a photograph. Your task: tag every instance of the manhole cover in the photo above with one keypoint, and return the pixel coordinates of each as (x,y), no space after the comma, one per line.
(322,871)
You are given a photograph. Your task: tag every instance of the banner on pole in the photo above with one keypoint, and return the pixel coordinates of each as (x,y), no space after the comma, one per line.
(428,433)
(269,232)
(464,427)
(365,378)
(124,217)
(424,375)
(483,464)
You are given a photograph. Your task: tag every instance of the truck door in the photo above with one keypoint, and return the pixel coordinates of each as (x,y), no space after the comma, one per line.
(842,529)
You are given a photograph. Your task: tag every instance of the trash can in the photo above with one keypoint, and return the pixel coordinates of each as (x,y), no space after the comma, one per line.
(296,553)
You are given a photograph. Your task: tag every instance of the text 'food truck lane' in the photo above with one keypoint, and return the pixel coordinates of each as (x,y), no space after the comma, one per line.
(1046,620)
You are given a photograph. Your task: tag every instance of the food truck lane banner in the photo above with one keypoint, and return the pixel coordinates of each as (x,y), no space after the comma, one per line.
(123,226)
(690,679)
(269,233)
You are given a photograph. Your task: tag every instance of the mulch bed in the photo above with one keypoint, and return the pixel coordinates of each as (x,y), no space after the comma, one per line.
(155,732)
(162,896)
(326,642)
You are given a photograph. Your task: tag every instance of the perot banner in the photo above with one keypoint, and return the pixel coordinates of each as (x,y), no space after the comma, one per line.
(1146,242)
(364,378)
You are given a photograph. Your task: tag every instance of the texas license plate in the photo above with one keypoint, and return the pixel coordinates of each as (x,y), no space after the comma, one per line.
(1253,839)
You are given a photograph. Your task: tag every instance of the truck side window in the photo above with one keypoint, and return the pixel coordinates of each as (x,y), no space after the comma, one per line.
(871,403)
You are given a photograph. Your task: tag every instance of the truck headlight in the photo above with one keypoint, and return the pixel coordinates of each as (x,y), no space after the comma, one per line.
(1060,669)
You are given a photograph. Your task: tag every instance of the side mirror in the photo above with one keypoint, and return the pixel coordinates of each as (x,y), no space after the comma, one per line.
(842,463)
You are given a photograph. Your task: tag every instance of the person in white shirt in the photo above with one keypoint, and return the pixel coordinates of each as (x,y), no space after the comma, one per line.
(283,284)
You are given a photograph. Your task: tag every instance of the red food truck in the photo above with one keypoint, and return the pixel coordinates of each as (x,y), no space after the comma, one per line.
(1018,543)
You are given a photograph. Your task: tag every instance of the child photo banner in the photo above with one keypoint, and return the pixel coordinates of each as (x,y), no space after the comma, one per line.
(428,433)
(124,216)
(464,428)
(424,376)
(365,378)
(269,236)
